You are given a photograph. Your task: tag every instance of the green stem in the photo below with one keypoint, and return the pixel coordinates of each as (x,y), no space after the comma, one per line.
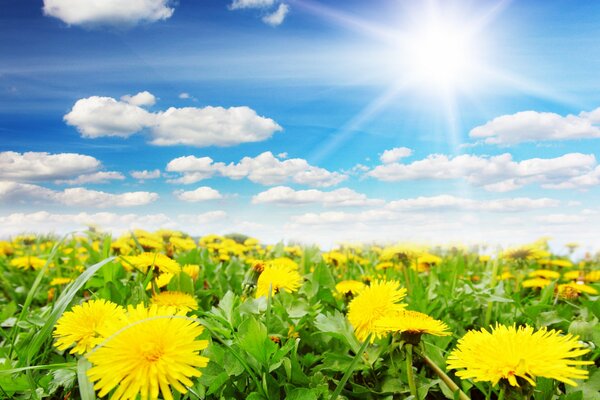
(350,370)
(409,371)
(268,311)
(501,395)
(445,378)
(490,304)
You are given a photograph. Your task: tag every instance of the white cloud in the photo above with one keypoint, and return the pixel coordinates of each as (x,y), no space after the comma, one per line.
(142,99)
(528,126)
(41,166)
(15,192)
(448,202)
(201,127)
(497,173)
(104,116)
(211,126)
(184,95)
(203,193)
(265,169)
(277,17)
(339,197)
(238,4)
(204,218)
(395,154)
(96,177)
(145,174)
(561,219)
(107,12)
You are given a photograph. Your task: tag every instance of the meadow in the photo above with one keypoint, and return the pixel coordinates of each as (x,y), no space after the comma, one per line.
(165,315)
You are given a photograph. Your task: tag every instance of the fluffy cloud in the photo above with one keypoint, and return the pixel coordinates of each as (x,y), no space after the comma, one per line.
(96,177)
(203,193)
(497,173)
(104,116)
(395,154)
(339,197)
(238,4)
(528,126)
(277,17)
(144,98)
(15,192)
(265,169)
(41,166)
(107,12)
(145,174)
(201,127)
(448,202)
(204,218)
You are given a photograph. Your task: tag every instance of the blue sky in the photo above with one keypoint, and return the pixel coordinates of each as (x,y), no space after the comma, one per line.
(489,105)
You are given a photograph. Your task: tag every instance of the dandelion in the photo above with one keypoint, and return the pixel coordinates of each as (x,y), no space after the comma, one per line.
(568,289)
(412,324)
(158,350)
(60,281)
(276,278)
(536,283)
(376,301)
(349,287)
(157,261)
(179,300)
(192,270)
(27,262)
(545,273)
(86,325)
(518,356)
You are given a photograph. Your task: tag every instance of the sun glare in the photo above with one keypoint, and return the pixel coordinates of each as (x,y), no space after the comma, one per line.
(439,55)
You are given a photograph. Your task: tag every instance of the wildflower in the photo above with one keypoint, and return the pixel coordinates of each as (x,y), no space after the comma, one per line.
(156,260)
(528,252)
(86,325)
(545,273)
(373,303)
(60,281)
(536,283)
(161,280)
(192,270)
(349,287)
(508,353)
(27,262)
(158,349)
(574,275)
(576,287)
(593,276)
(412,324)
(278,277)
(179,300)
(183,244)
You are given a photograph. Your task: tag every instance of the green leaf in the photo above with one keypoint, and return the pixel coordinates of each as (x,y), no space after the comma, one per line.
(337,326)
(254,340)
(303,394)
(86,389)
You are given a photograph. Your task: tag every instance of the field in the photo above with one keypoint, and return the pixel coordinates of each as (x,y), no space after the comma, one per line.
(164,315)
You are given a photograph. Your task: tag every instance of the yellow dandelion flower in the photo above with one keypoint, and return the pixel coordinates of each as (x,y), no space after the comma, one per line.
(60,281)
(192,270)
(158,350)
(86,325)
(27,262)
(282,263)
(159,261)
(574,275)
(536,283)
(484,258)
(382,266)
(376,301)
(179,300)
(528,252)
(412,323)
(593,276)
(544,273)
(149,243)
(284,277)
(561,263)
(510,353)
(576,287)
(184,244)
(349,287)
(161,280)
(506,275)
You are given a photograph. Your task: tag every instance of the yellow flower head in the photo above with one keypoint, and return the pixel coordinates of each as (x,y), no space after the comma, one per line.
(412,322)
(156,260)
(536,283)
(593,276)
(28,262)
(544,273)
(376,301)
(86,325)
(179,300)
(192,270)
(161,280)
(184,244)
(158,349)
(577,288)
(510,353)
(349,287)
(278,277)
(60,281)
(574,275)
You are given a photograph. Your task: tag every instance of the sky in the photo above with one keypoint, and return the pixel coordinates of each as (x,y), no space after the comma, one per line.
(312,121)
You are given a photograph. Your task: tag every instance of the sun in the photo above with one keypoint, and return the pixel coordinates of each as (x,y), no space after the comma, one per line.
(439,54)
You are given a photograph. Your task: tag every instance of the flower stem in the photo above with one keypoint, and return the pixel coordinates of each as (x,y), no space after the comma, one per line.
(442,375)
(409,371)
(350,370)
